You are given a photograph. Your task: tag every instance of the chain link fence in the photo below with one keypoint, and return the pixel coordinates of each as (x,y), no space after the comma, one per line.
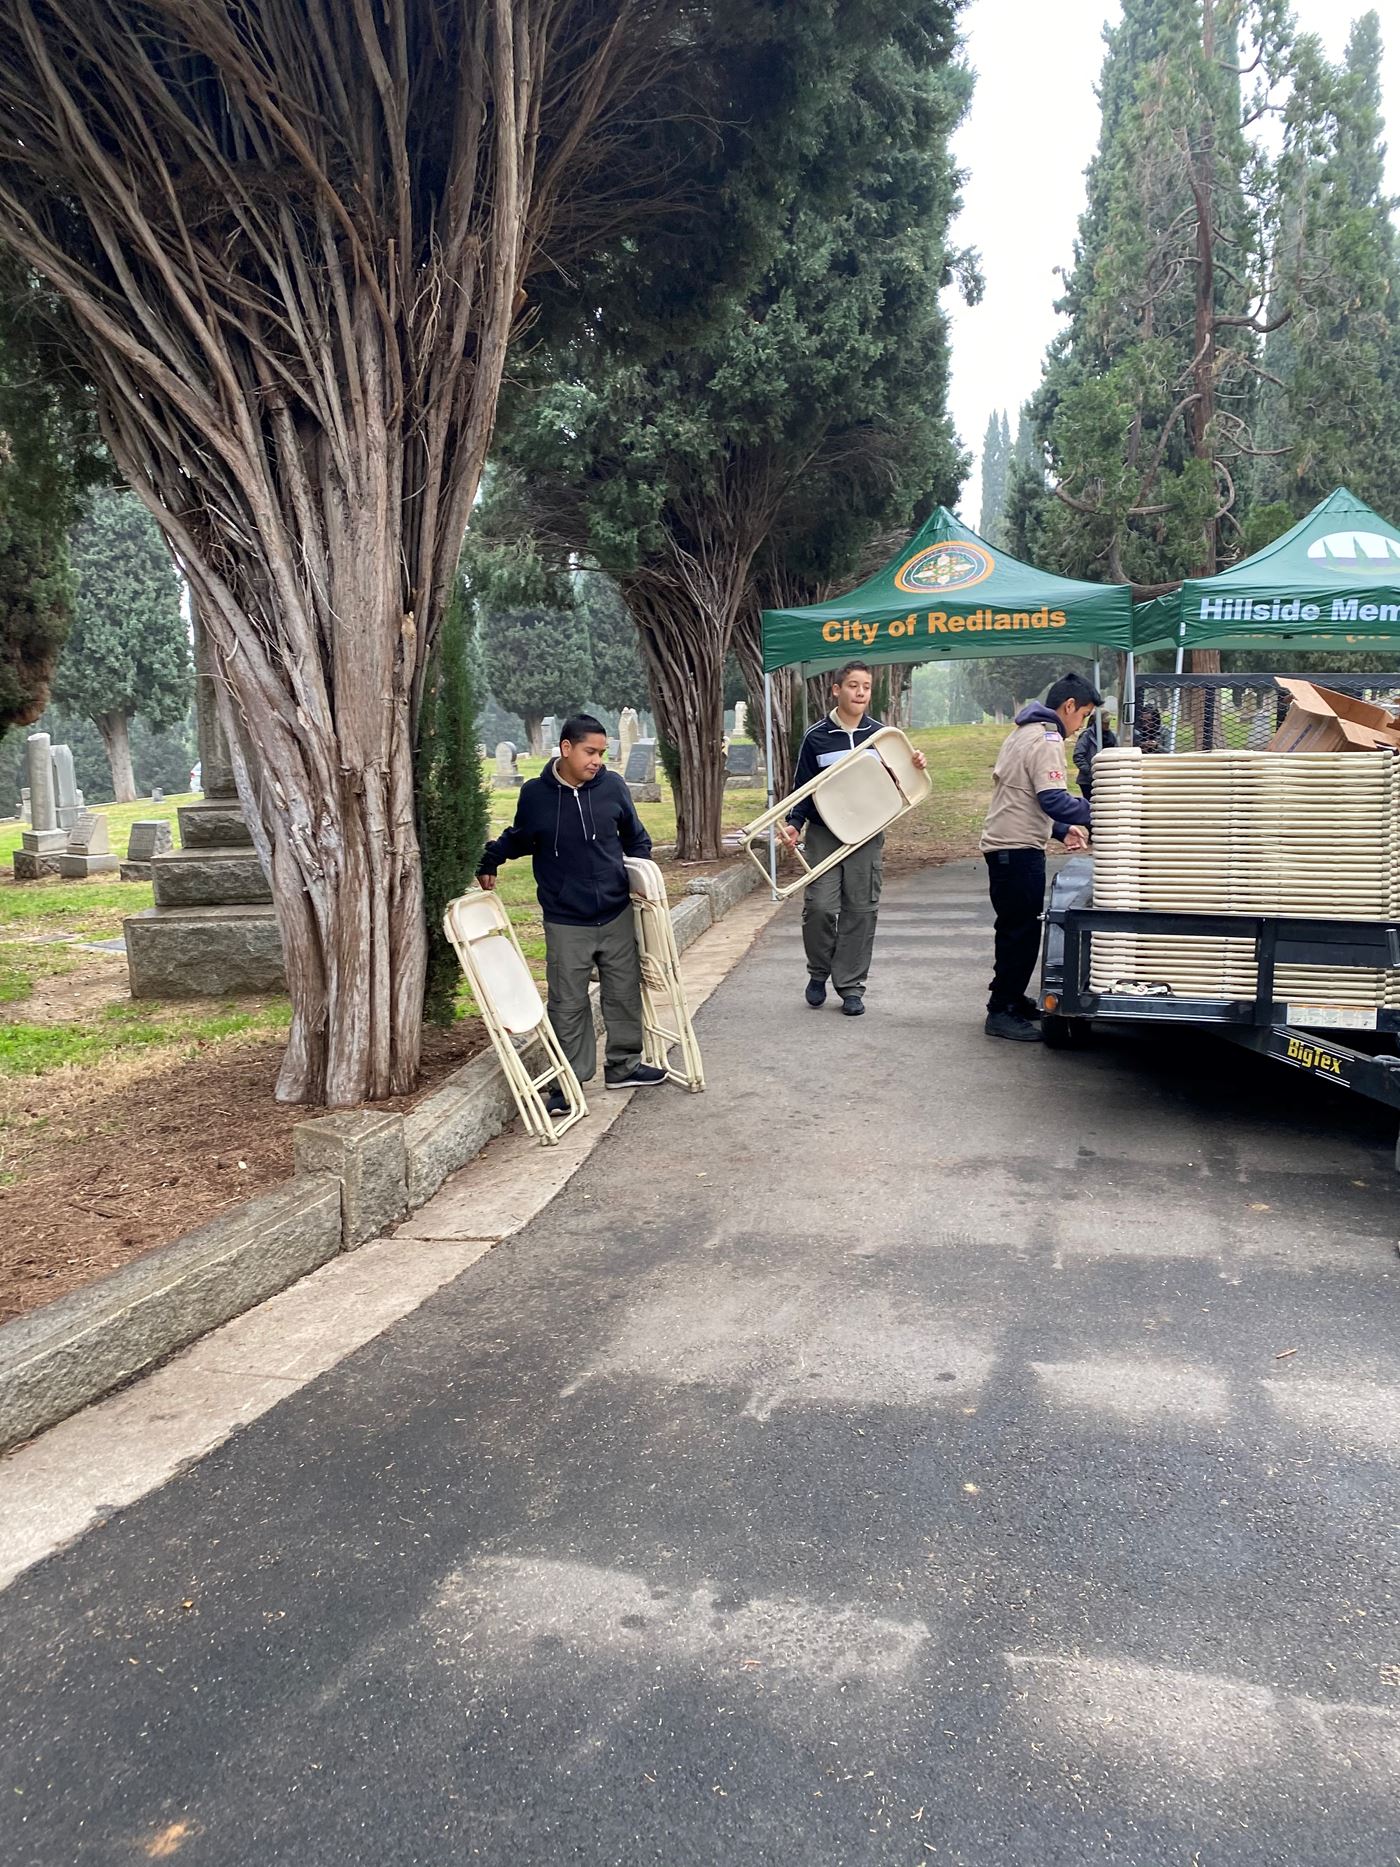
(1231,712)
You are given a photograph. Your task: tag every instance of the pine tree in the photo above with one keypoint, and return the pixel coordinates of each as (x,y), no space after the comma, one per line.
(537,662)
(1331,395)
(129,650)
(454,806)
(1148,399)
(618,679)
(996,470)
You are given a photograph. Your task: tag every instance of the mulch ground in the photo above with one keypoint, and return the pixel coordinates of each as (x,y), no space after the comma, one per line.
(131,1153)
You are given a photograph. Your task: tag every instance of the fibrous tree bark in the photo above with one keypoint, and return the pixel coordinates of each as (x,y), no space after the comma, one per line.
(291,241)
(115,729)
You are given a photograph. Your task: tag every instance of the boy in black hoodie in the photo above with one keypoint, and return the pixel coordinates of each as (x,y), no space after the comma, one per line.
(578,821)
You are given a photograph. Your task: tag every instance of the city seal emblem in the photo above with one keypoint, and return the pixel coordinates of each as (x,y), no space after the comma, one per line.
(939,569)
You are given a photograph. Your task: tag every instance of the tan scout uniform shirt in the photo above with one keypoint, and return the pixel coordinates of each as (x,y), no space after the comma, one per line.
(1031,759)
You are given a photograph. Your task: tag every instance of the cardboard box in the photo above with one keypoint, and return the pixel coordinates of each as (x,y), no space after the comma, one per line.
(1319,720)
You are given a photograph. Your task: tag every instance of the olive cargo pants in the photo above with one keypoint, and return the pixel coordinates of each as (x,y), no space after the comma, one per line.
(839,910)
(570,956)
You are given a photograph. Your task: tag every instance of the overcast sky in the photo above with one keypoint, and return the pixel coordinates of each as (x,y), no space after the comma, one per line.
(1024,145)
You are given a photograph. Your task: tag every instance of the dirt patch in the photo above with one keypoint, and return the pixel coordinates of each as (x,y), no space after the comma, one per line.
(132,1152)
(97,981)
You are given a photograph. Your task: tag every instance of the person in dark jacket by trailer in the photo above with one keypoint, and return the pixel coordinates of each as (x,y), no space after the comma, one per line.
(577,821)
(1030,807)
(1086,750)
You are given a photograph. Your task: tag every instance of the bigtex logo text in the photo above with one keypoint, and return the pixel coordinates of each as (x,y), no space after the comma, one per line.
(1313,1057)
(941,622)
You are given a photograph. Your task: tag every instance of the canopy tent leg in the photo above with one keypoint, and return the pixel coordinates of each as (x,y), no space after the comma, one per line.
(1175,720)
(1128,705)
(768,755)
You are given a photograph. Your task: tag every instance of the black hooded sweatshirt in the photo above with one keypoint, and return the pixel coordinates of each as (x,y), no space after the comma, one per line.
(578,839)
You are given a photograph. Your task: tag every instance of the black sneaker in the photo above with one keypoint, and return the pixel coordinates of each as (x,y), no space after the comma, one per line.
(853,1005)
(1009,1024)
(556,1103)
(816,993)
(641,1076)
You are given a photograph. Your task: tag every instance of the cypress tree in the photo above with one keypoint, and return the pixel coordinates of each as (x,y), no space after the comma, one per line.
(453,801)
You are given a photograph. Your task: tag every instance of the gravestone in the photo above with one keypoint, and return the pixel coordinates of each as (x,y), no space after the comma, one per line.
(212,932)
(157,793)
(68,799)
(741,719)
(629,731)
(742,768)
(149,838)
(549,732)
(89,852)
(639,772)
(505,777)
(43,844)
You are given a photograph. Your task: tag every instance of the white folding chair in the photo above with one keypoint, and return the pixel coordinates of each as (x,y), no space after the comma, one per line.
(511,1008)
(661,980)
(859,796)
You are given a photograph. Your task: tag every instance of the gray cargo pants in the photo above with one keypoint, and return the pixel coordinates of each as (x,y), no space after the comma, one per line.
(570,956)
(839,910)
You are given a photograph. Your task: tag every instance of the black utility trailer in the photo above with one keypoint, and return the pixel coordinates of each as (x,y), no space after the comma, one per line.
(1068,1004)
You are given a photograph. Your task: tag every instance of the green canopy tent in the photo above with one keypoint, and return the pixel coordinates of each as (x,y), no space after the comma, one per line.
(1333,581)
(947,595)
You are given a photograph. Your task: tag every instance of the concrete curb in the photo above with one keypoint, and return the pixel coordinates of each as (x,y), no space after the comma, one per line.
(357,1173)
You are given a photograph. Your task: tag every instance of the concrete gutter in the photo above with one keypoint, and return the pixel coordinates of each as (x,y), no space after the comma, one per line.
(358,1174)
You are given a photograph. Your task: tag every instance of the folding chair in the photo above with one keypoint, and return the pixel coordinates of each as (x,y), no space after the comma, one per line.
(661,979)
(511,1007)
(860,795)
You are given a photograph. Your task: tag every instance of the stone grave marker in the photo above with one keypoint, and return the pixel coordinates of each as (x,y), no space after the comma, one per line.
(741,719)
(742,769)
(89,851)
(68,798)
(629,731)
(150,837)
(43,844)
(505,777)
(639,772)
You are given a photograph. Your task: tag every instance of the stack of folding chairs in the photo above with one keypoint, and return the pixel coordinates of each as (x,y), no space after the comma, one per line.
(513,1012)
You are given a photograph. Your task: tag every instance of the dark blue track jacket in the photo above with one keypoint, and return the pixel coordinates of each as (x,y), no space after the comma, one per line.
(578,839)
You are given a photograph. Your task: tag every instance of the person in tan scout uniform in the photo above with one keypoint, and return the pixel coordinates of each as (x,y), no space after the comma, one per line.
(1031,807)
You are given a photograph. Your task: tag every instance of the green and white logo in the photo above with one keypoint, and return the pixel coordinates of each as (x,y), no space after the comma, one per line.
(1359,554)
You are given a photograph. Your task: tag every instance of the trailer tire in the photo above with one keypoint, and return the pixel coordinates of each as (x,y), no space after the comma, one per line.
(1064,1033)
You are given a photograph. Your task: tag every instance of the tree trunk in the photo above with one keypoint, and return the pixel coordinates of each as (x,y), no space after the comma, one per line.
(116,740)
(683,653)
(290,244)
(534,733)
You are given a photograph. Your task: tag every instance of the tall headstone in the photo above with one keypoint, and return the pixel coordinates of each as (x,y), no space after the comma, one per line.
(212,931)
(549,731)
(68,799)
(629,731)
(741,719)
(41,846)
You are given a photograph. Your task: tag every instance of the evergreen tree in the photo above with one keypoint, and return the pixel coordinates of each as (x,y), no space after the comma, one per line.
(996,470)
(454,808)
(619,679)
(1332,391)
(1149,395)
(48,454)
(537,662)
(811,415)
(129,650)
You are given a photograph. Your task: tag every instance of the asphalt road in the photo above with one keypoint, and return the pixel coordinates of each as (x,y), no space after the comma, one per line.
(918,1450)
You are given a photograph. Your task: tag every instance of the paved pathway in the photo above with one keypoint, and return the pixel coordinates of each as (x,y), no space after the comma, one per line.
(917,1450)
